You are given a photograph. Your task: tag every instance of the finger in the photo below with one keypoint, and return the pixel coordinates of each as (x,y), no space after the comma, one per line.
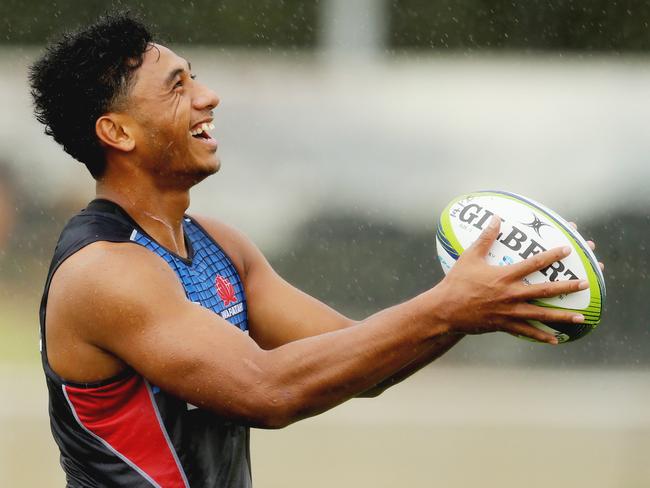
(521,328)
(526,311)
(538,261)
(551,289)
(482,245)
(574,225)
(602,266)
(592,245)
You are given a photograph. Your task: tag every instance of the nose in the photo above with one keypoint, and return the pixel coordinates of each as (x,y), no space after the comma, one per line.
(205,98)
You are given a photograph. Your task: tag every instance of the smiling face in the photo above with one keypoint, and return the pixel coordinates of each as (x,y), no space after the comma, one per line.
(171,116)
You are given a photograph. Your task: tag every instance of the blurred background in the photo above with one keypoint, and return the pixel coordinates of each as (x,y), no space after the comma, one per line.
(344,129)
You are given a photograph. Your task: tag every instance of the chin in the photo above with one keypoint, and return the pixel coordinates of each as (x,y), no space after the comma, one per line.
(216,164)
(204,169)
(212,166)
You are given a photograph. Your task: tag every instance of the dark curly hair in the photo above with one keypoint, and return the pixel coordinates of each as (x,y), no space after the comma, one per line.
(83,75)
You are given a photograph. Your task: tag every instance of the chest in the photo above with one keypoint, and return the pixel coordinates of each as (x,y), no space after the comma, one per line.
(209,277)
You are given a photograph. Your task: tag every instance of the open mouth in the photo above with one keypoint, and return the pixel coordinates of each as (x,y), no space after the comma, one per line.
(201,132)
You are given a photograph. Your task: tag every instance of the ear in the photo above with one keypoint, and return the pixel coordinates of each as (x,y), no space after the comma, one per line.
(113,130)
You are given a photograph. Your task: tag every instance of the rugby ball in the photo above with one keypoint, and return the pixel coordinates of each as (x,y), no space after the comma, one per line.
(527,228)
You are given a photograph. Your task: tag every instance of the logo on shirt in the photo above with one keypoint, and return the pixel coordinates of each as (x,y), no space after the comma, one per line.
(225,290)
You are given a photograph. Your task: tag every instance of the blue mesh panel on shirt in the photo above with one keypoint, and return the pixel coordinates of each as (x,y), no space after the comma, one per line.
(199,277)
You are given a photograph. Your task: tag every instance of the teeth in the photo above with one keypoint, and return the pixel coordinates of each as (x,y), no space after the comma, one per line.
(204,127)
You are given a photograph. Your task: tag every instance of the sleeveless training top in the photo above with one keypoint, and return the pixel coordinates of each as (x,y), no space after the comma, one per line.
(125,431)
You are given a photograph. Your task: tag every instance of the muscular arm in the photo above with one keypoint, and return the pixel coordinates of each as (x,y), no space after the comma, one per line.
(133,309)
(279,313)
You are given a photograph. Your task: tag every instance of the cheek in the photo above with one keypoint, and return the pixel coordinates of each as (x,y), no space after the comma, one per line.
(181,127)
(167,129)
(181,111)
(171,135)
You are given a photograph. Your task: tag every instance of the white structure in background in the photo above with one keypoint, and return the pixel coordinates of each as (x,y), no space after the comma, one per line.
(396,138)
(355,29)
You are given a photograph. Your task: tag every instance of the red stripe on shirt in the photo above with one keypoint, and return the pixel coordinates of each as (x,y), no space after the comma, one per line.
(122,414)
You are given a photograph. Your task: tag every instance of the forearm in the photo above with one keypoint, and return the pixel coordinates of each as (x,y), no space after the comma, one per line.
(438,347)
(317,373)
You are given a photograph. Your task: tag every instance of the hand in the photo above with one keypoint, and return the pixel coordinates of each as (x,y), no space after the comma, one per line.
(480,298)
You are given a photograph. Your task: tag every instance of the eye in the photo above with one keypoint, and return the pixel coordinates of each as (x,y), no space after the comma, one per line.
(180,82)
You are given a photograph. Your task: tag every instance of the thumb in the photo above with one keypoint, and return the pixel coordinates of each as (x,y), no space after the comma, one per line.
(482,245)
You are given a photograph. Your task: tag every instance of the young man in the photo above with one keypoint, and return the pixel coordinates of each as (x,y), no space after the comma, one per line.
(166,336)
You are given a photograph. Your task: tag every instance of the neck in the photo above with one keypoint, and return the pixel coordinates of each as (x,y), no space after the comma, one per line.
(159,211)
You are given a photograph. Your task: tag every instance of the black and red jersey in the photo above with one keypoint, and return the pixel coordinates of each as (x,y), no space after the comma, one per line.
(125,431)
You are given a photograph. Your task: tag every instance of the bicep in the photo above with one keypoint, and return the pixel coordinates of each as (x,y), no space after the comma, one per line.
(279,313)
(133,307)
(194,354)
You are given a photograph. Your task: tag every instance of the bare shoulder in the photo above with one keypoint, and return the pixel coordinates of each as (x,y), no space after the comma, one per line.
(105,279)
(103,291)
(241,250)
(103,267)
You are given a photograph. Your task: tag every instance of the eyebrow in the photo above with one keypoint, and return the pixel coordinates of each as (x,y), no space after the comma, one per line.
(176,72)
